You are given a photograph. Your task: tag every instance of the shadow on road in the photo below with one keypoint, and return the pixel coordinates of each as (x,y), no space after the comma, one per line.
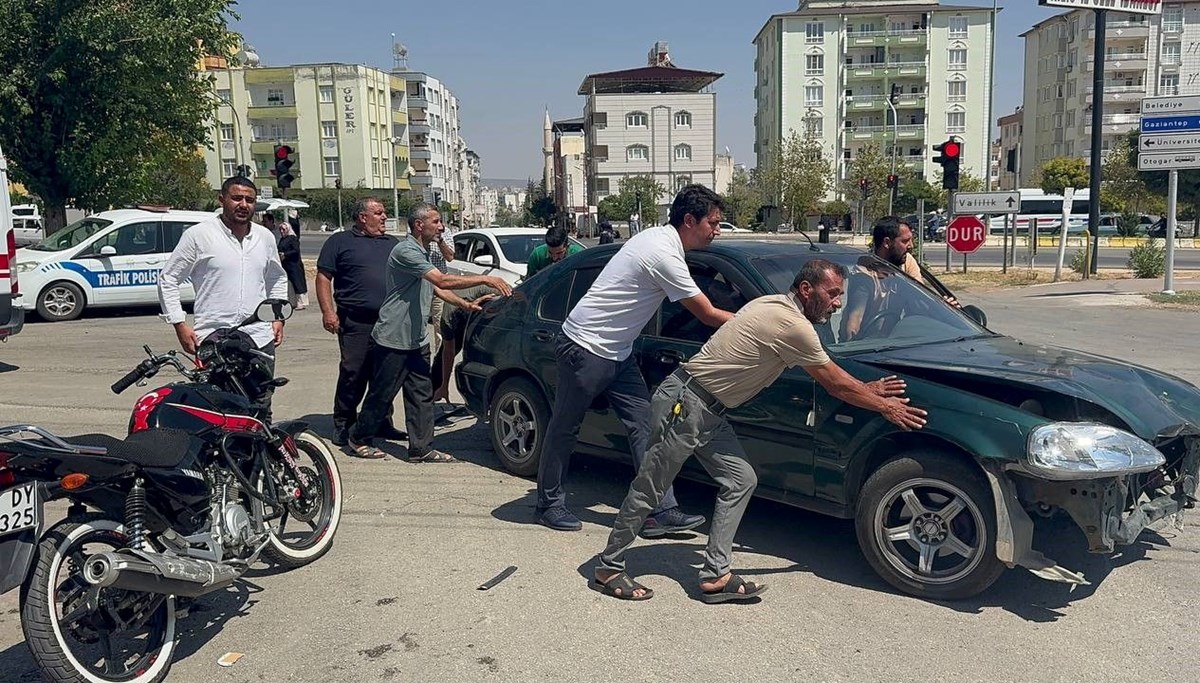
(7,367)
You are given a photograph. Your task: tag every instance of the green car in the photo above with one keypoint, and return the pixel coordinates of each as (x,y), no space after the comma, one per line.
(1016,432)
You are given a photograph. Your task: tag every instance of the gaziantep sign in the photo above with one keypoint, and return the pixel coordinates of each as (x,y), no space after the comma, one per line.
(1134,6)
(965,234)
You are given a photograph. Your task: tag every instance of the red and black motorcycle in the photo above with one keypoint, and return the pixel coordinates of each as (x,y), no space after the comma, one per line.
(203,487)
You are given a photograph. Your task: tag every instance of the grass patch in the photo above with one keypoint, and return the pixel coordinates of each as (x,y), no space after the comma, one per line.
(992,278)
(1185,299)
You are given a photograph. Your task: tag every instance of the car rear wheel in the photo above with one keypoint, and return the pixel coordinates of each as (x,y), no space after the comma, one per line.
(926,524)
(518,417)
(59,302)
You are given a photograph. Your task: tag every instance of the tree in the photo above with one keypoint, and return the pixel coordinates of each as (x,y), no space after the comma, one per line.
(539,206)
(507,218)
(799,175)
(742,200)
(871,163)
(914,189)
(87,87)
(621,206)
(1062,172)
(1123,189)
(173,177)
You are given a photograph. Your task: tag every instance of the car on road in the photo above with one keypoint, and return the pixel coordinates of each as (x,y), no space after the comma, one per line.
(501,252)
(12,315)
(731,229)
(110,259)
(1016,432)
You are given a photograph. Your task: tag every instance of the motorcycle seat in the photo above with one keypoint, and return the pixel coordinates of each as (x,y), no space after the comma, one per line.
(151,448)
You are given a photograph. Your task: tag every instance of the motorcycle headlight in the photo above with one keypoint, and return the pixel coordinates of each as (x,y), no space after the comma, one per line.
(1082,450)
(27,266)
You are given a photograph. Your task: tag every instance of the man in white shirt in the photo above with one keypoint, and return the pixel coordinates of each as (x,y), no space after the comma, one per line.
(233,265)
(595,350)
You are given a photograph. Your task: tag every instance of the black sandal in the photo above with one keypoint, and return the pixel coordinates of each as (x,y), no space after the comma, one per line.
(621,587)
(736,589)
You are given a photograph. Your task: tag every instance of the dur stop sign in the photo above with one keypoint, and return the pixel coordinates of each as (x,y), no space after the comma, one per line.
(965,234)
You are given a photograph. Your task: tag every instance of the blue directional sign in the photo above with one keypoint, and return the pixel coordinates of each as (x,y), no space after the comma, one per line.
(1170,124)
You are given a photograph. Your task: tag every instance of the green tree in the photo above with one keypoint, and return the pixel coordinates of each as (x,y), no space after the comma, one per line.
(539,206)
(871,163)
(1123,190)
(799,175)
(1062,172)
(914,189)
(742,199)
(507,218)
(323,204)
(620,206)
(173,177)
(87,87)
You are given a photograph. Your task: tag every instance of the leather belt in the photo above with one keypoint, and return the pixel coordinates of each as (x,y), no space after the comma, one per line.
(689,382)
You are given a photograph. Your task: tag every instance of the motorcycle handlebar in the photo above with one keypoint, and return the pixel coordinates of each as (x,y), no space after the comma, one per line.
(134,376)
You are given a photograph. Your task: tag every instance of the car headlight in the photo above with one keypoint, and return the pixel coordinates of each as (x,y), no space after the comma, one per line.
(1084,450)
(27,266)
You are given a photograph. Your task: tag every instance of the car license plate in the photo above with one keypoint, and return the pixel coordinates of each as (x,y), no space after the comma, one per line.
(20,509)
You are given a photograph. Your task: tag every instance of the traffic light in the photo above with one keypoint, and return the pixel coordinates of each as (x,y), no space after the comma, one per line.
(949,155)
(282,163)
(243,171)
(865,186)
(893,181)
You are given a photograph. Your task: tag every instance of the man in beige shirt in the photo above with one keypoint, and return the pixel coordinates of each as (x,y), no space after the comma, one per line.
(746,355)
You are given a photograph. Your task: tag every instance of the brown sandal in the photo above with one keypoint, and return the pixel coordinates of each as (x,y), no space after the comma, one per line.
(365,451)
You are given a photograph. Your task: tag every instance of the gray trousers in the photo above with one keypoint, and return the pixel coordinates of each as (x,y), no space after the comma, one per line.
(699,430)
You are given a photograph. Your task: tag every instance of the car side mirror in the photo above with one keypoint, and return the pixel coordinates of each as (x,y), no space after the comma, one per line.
(487,261)
(108,250)
(975,313)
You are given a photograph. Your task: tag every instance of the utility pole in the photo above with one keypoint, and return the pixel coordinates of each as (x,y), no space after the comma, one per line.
(1097,138)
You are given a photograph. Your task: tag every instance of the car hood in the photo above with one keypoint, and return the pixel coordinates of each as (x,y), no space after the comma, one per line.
(1151,403)
(25,255)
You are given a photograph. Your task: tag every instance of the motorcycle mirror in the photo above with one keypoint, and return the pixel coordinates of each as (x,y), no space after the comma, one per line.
(272,310)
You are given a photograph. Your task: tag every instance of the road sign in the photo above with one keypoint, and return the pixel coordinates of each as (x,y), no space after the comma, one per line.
(965,234)
(1131,6)
(987,202)
(1170,124)
(266,192)
(1168,161)
(1171,142)
(1176,104)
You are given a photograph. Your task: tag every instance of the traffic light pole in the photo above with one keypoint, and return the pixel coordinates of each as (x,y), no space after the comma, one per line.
(1097,139)
(950,213)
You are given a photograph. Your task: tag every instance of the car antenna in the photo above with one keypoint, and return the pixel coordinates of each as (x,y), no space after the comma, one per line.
(811,246)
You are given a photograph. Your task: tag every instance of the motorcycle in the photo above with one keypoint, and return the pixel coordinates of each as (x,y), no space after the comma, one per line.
(203,487)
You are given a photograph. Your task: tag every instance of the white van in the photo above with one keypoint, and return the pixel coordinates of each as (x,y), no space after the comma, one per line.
(109,259)
(27,224)
(12,316)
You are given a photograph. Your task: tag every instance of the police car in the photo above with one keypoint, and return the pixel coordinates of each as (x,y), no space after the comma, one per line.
(108,259)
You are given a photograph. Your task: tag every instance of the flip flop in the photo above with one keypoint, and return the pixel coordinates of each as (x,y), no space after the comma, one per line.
(364,451)
(621,587)
(731,592)
(435,456)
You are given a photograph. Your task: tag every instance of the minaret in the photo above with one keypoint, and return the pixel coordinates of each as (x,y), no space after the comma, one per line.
(548,154)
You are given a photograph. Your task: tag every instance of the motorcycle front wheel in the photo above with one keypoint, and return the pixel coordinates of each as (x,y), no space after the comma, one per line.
(305,518)
(78,633)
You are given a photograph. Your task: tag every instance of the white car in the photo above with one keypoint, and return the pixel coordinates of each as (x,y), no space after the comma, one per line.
(730,228)
(109,259)
(500,252)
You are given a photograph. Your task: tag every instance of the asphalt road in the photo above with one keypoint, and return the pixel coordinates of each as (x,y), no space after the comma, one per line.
(396,598)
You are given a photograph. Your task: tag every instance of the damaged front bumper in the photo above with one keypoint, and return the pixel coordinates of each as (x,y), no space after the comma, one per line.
(1100,507)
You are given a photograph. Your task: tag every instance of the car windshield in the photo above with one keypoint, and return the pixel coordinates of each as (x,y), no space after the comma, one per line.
(73,235)
(882,308)
(517,248)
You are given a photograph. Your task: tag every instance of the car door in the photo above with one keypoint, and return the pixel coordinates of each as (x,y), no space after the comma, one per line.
(124,264)
(172,230)
(774,427)
(466,247)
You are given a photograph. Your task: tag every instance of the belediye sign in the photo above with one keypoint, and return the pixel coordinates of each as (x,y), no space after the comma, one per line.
(1134,6)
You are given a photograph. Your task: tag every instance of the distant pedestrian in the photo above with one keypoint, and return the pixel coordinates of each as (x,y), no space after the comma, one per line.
(595,349)
(766,337)
(606,232)
(557,247)
(289,256)
(272,226)
(401,352)
(351,284)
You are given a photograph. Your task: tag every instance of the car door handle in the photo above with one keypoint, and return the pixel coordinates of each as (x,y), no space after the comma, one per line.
(543,336)
(669,357)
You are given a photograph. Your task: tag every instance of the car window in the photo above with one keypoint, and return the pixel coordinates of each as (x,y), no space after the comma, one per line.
(462,248)
(130,240)
(557,302)
(584,277)
(171,232)
(483,247)
(678,323)
(73,235)
(517,248)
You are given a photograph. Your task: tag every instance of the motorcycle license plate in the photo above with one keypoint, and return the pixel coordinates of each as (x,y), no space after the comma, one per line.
(20,509)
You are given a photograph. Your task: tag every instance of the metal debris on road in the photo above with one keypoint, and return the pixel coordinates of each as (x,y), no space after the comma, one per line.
(491,583)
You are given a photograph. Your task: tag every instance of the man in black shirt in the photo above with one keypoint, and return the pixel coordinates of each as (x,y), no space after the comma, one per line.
(352,273)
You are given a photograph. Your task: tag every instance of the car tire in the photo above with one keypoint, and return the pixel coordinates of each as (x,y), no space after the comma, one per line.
(944,549)
(60,302)
(518,417)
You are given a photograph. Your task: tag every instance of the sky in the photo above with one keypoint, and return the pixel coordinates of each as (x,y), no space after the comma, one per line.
(507,61)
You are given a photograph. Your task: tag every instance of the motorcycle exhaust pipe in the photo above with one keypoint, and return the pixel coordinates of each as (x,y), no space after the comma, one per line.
(157,573)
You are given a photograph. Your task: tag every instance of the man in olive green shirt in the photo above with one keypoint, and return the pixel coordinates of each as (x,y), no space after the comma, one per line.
(556,248)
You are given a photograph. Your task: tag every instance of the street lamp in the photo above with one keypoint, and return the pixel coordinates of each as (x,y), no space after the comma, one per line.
(393,141)
(895,138)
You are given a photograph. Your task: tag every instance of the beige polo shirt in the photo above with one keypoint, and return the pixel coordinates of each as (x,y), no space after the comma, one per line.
(748,353)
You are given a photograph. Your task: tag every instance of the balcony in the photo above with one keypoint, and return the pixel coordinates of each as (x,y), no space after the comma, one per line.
(421,178)
(885,133)
(909,100)
(1121,30)
(865,103)
(1117,93)
(1112,123)
(267,75)
(399,116)
(417,102)
(418,126)
(267,145)
(914,37)
(274,111)
(881,69)
(420,153)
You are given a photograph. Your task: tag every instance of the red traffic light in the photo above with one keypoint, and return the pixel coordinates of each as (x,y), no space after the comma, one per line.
(951,149)
(283,152)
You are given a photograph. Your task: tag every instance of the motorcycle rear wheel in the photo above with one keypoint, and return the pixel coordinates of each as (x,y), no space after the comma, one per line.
(306,528)
(74,645)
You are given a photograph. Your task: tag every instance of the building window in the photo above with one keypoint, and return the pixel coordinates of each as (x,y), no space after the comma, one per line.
(329,129)
(637,153)
(1170,54)
(683,119)
(374,166)
(814,96)
(386,167)
(958,27)
(636,119)
(228,168)
(813,126)
(225,95)
(1070,118)
(602,186)
(814,32)
(1168,84)
(278,132)
(275,96)
(956,122)
(226,132)
(325,94)
(1172,19)
(814,65)
(957,91)
(332,168)
(682,181)
(683,152)
(958,59)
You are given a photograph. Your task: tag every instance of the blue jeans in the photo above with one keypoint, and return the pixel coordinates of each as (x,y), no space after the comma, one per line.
(582,376)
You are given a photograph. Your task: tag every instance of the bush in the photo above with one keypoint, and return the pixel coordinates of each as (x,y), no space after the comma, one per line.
(1128,224)
(1148,260)
(1079,262)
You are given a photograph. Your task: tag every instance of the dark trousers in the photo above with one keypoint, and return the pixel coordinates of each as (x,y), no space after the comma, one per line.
(295,276)
(582,376)
(354,371)
(394,370)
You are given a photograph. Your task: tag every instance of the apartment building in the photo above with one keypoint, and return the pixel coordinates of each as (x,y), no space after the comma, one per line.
(1145,55)
(839,70)
(1010,150)
(437,153)
(346,123)
(472,214)
(657,120)
(565,145)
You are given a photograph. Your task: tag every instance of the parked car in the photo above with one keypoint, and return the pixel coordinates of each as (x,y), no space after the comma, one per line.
(110,259)
(731,229)
(12,315)
(502,252)
(1039,429)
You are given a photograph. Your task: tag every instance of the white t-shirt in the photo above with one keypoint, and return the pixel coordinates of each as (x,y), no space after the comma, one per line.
(648,268)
